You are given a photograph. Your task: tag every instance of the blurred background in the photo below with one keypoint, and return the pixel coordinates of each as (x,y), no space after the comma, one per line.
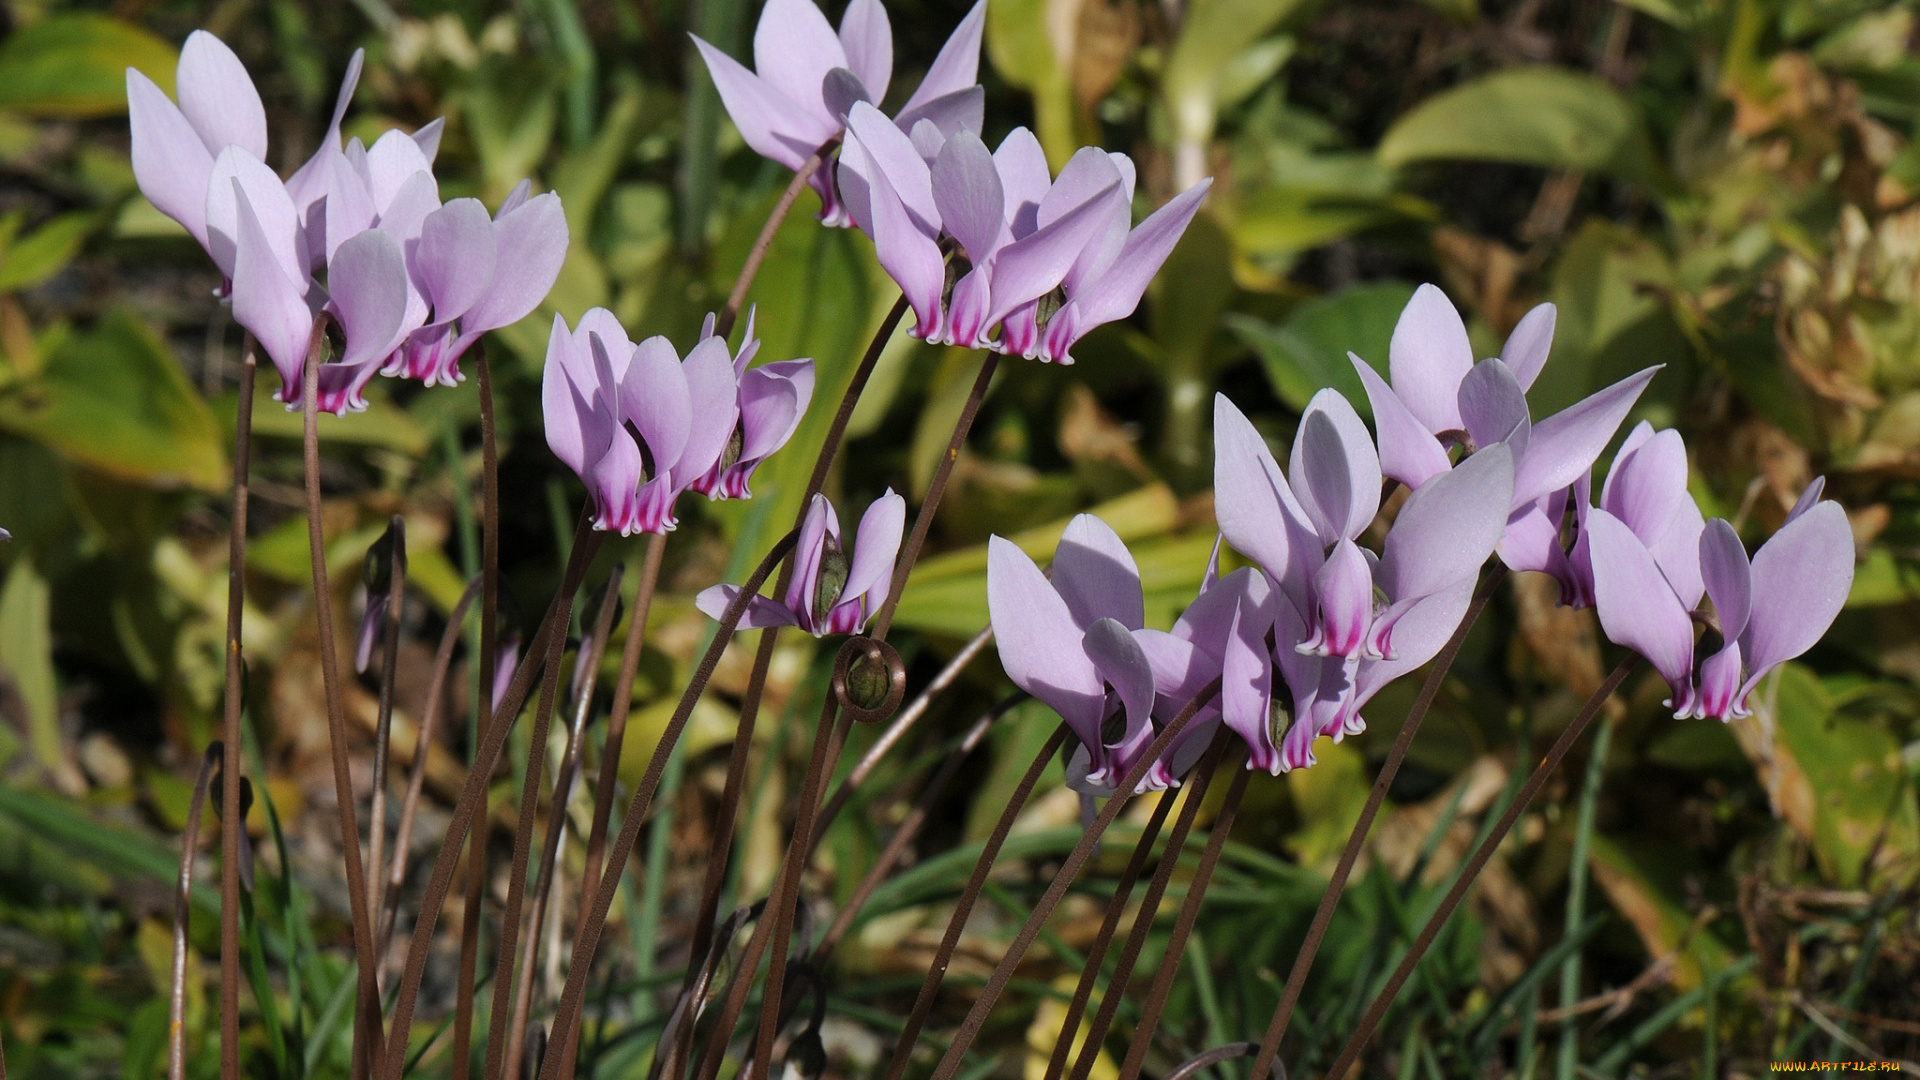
(1724,187)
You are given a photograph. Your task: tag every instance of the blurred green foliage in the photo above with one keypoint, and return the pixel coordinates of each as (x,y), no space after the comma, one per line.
(1725,187)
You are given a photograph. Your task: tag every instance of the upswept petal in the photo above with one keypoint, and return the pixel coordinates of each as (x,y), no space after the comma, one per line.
(270,304)
(171,164)
(566,413)
(1637,608)
(1428,357)
(1123,664)
(1448,526)
(1564,445)
(1728,576)
(1087,176)
(1494,407)
(1022,165)
(348,206)
(962,110)
(218,98)
(714,396)
(966,189)
(1532,539)
(309,182)
(406,213)
(1647,481)
(1801,577)
(1033,265)
(1527,347)
(1039,642)
(1341,466)
(369,296)
(237,169)
(958,65)
(1677,552)
(454,262)
(1408,451)
(532,241)
(773,398)
(866,35)
(1095,574)
(761,612)
(875,546)
(1251,497)
(893,154)
(427,138)
(819,524)
(793,49)
(775,126)
(392,160)
(654,397)
(909,255)
(1808,498)
(1117,292)
(1246,668)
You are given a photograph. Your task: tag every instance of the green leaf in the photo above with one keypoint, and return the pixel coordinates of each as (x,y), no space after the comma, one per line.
(1883,580)
(75,65)
(42,253)
(1206,60)
(1544,116)
(1021,45)
(382,424)
(26,661)
(1308,350)
(114,400)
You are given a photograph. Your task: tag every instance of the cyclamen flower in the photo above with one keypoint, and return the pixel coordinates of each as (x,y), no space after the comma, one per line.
(808,77)
(1075,643)
(599,389)
(1770,610)
(772,401)
(1645,490)
(1439,395)
(1345,624)
(834,590)
(1045,260)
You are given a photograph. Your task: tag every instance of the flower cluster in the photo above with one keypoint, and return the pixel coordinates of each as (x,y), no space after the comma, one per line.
(703,423)
(357,234)
(1302,639)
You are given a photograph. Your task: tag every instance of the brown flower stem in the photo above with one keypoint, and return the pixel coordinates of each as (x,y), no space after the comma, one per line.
(1183,926)
(182,912)
(969,896)
(1202,779)
(489,661)
(899,726)
(230,728)
(564,782)
(508,945)
(367,1006)
(1109,925)
(417,780)
(383,731)
(1357,1042)
(550,636)
(1336,885)
(909,828)
(723,323)
(587,939)
(610,752)
(1062,881)
(923,521)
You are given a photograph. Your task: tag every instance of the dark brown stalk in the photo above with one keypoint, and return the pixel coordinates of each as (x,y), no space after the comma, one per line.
(1109,925)
(182,911)
(923,521)
(367,1007)
(551,635)
(908,829)
(723,324)
(898,728)
(587,938)
(1062,881)
(1196,1065)
(1183,926)
(417,780)
(564,781)
(969,895)
(1336,885)
(1357,1042)
(508,945)
(230,728)
(827,740)
(723,824)
(489,660)
(610,752)
(383,729)
(1202,779)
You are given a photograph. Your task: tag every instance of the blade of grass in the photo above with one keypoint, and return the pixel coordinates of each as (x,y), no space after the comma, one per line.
(1569,1051)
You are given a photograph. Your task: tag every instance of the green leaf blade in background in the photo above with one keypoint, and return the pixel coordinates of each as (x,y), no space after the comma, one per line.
(1546,116)
(73,66)
(1308,349)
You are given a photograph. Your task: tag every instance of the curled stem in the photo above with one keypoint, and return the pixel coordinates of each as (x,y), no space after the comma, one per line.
(182,911)
(367,1006)
(230,730)
(1357,1042)
(1062,881)
(1362,828)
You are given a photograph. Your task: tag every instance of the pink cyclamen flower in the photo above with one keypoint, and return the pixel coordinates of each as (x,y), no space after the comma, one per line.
(1075,643)
(808,77)
(1645,490)
(599,390)
(772,401)
(834,590)
(1043,260)
(1345,624)
(1439,395)
(1770,610)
